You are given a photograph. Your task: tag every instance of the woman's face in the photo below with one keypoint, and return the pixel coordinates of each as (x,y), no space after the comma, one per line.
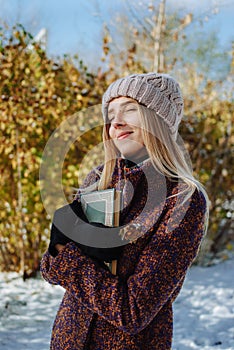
(125,128)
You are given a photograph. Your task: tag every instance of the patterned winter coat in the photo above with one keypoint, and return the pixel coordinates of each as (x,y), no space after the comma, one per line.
(132,310)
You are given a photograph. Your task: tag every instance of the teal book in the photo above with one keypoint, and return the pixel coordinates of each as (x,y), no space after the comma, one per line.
(102,206)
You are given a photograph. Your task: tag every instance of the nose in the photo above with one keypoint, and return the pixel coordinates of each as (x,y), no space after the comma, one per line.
(118,124)
(118,120)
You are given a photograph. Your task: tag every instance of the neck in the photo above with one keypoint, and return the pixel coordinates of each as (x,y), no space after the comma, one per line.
(135,159)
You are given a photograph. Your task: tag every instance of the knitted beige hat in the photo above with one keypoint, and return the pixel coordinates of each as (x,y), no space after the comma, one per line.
(159,92)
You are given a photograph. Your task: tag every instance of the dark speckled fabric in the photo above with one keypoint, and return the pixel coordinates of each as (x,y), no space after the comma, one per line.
(132,310)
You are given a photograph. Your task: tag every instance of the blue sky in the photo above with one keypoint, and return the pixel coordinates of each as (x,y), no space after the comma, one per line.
(75,26)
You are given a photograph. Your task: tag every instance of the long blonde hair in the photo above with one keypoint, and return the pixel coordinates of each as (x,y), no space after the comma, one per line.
(167,154)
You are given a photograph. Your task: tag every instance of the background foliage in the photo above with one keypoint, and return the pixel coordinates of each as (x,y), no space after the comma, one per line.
(37,93)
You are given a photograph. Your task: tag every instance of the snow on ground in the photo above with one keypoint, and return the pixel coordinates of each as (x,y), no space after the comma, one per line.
(203,312)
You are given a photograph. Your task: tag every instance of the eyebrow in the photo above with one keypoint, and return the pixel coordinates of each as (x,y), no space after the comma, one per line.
(123,104)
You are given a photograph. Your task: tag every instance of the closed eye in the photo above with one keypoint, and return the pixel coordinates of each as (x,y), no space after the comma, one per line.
(130,107)
(130,110)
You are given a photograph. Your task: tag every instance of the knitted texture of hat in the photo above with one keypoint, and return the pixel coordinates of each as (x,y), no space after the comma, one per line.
(159,92)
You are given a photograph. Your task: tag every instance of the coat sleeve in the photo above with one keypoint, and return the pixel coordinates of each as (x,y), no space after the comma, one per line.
(131,305)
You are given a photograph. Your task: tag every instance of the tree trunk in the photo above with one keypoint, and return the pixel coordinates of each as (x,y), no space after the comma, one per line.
(158,64)
(20,206)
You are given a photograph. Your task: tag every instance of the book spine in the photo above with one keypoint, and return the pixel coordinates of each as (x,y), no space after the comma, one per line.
(112,266)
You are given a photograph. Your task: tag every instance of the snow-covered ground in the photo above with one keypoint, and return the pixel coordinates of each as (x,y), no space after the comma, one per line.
(203,312)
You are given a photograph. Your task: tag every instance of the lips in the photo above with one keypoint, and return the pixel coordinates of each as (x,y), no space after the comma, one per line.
(124,135)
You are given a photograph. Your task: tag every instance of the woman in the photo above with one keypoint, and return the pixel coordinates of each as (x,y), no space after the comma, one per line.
(163,221)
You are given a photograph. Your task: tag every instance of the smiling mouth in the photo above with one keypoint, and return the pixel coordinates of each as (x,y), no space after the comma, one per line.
(124,135)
